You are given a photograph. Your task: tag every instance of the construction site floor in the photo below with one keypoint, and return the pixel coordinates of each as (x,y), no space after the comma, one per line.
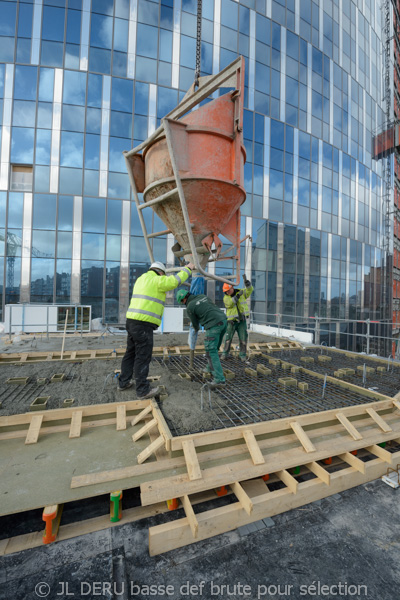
(345,546)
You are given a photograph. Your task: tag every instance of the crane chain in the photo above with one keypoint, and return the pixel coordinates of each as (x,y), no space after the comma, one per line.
(198,44)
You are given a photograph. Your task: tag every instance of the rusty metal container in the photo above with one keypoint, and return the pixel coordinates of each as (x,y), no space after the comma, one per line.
(205,147)
(213,182)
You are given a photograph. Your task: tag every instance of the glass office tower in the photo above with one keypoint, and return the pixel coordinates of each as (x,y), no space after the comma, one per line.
(83,80)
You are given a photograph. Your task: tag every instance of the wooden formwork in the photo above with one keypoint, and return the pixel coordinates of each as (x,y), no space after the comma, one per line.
(239,458)
(104,353)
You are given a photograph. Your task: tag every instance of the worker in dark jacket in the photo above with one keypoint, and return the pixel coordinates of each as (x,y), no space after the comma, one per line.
(202,312)
(237,311)
(143,317)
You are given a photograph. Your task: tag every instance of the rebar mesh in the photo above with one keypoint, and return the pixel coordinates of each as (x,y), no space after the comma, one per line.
(387,382)
(250,399)
(28,392)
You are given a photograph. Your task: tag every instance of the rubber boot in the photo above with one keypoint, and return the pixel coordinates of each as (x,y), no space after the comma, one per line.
(227,348)
(243,351)
(209,367)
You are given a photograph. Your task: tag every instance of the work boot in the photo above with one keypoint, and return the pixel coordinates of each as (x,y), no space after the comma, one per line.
(150,394)
(243,351)
(216,384)
(130,384)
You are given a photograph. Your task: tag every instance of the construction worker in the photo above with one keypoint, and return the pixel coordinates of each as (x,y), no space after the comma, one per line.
(143,317)
(237,310)
(202,312)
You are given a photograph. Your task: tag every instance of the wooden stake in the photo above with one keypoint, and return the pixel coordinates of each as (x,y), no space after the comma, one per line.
(319,471)
(243,498)
(145,429)
(34,429)
(380,453)
(76,424)
(142,414)
(288,480)
(121,417)
(356,435)
(302,437)
(65,331)
(353,461)
(192,462)
(154,446)
(191,517)
(378,420)
(253,447)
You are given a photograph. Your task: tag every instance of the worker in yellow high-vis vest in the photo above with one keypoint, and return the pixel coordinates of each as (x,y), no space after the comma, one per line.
(143,317)
(237,311)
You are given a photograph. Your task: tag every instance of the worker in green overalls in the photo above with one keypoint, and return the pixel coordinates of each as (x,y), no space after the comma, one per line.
(237,311)
(204,313)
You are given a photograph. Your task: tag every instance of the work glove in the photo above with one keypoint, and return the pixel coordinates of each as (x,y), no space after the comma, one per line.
(247,283)
(239,293)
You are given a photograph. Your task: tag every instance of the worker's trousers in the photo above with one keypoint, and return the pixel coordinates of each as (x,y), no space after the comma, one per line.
(137,357)
(241,328)
(212,343)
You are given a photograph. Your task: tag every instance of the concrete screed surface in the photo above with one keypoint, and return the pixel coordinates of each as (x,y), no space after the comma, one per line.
(345,546)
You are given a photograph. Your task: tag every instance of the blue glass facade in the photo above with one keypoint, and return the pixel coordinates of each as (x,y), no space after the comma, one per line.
(82,80)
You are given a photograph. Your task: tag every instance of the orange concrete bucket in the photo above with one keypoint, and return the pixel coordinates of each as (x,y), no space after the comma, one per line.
(210,156)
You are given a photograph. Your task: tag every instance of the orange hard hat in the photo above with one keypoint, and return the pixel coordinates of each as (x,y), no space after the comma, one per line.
(226,287)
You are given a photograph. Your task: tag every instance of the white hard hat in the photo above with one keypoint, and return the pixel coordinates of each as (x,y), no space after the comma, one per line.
(158,265)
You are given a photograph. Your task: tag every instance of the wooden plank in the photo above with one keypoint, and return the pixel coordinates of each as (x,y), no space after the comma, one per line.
(191,517)
(76,424)
(253,447)
(242,496)
(175,534)
(302,437)
(356,435)
(10,435)
(319,471)
(378,420)
(397,403)
(142,414)
(162,424)
(353,461)
(229,472)
(121,417)
(240,451)
(288,480)
(381,453)
(276,425)
(150,450)
(192,461)
(34,429)
(59,414)
(145,429)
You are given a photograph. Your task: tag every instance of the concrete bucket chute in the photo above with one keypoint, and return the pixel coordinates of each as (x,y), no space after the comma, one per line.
(190,171)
